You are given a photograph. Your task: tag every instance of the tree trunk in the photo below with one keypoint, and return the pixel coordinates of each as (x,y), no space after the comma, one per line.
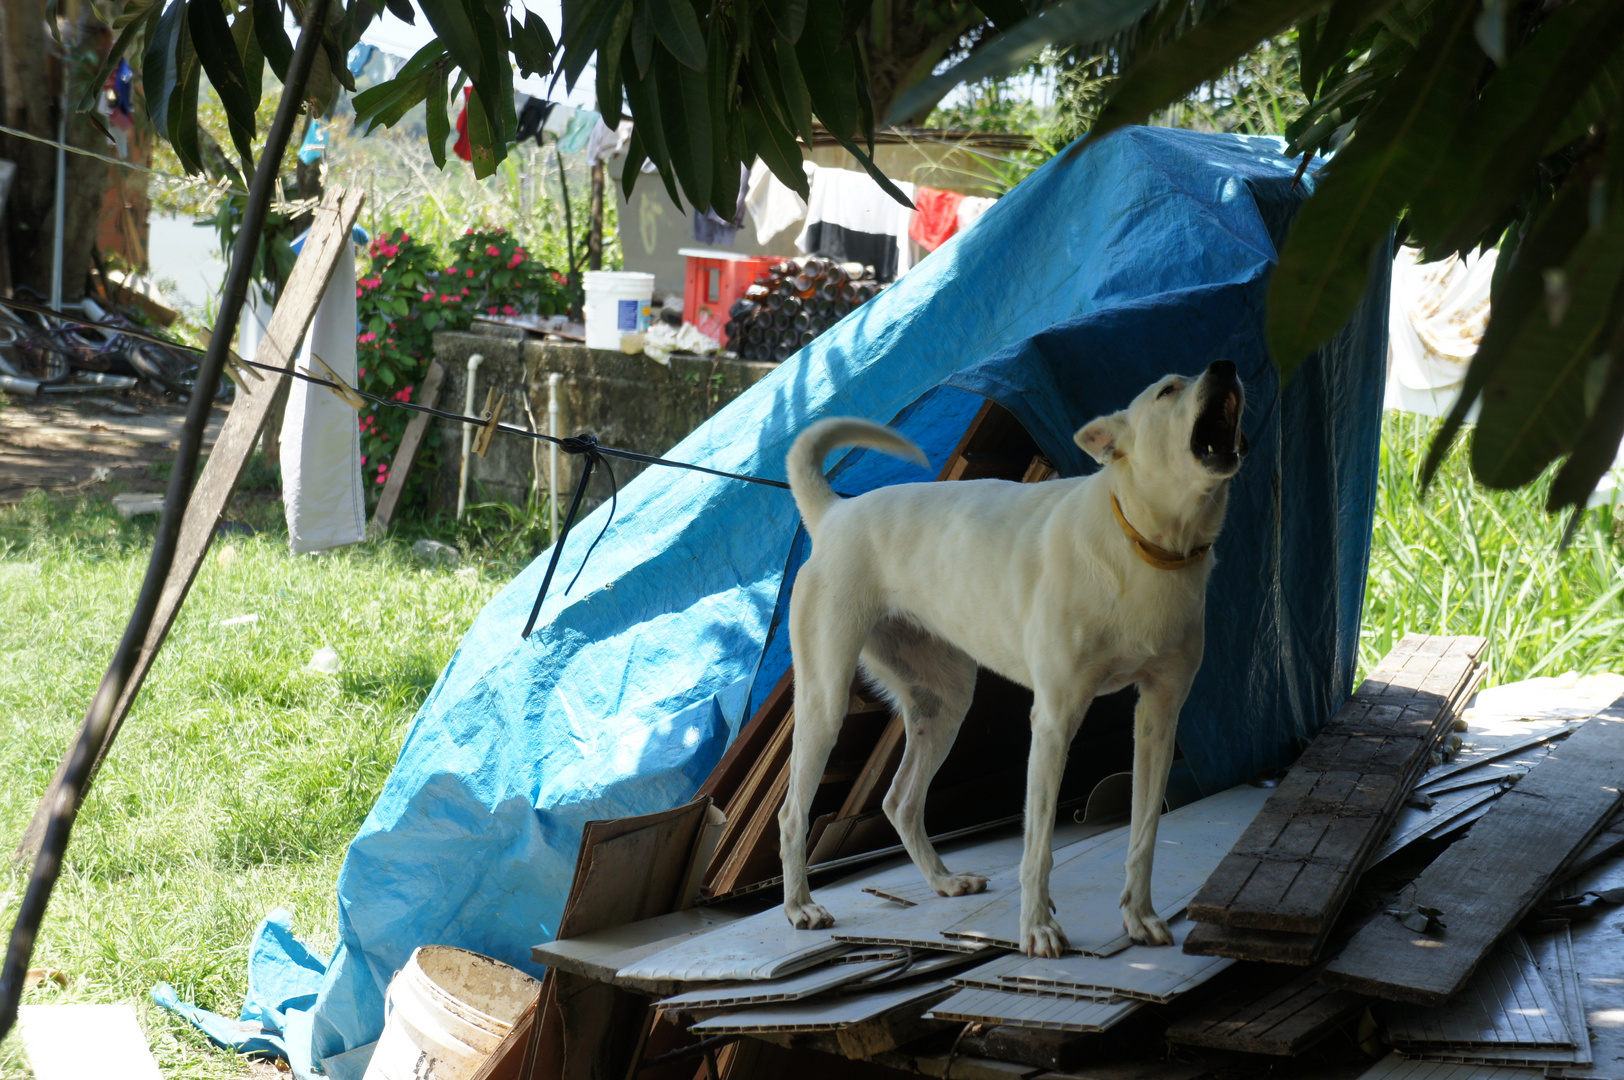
(29,86)
(906,40)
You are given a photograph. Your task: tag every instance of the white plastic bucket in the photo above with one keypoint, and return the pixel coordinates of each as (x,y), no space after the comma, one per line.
(617,303)
(446,1011)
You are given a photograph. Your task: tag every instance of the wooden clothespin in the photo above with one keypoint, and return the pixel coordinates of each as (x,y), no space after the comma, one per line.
(235,365)
(492,416)
(340,388)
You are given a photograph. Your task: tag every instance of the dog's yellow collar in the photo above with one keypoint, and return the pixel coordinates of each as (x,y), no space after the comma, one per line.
(1160,558)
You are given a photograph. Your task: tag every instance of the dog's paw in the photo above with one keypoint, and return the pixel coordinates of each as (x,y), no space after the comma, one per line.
(959,884)
(1146,927)
(808,916)
(1042,936)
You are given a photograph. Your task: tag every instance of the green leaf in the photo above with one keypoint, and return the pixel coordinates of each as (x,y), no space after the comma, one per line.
(435,120)
(273,40)
(1490,161)
(1533,406)
(182,129)
(1342,23)
(609,58)
(879,177)
(1517,292)
(644,98)
(1601,98)
(158,68)
(632,168)
(249,52)
(642,39)
(1597,445)
(453,23)
(721,82)
(135,18)
(775,143)
(217,50)
(790,18)
(826,63)
(1003,13)
(677,27)
(402,10)
(1065,23)
(685,115)
(797,102)
(1326,263)
(1206,51)
(533,44)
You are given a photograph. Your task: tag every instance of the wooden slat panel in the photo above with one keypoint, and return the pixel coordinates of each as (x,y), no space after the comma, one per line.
(1485,883)
(1268,1014)
(1295,867)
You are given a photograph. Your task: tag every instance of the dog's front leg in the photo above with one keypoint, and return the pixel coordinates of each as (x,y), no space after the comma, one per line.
(1054,723)
(1155,722)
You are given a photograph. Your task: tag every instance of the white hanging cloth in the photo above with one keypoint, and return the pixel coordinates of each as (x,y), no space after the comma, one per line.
(321,437)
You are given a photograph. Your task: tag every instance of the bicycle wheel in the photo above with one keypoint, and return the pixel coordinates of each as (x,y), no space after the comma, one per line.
(40,359)
(158,365)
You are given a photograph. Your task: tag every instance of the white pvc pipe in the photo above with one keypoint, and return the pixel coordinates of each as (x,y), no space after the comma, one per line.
(554,379)
(467,433)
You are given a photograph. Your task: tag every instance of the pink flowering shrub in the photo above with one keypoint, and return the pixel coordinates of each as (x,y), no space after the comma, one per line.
(409,291)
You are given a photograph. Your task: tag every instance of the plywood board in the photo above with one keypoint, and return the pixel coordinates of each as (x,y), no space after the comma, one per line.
(1086,889)
(1488,881)
(829,1014)
(1505,1005)
(1033,1010)
(601,955)
(1269,1014)
(1296,865)
(1598,960)
(1147,973)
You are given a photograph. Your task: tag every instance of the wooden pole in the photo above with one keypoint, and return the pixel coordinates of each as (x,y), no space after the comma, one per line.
(594,241)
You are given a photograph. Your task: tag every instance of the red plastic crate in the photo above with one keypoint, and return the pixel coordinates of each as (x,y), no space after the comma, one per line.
(714,280)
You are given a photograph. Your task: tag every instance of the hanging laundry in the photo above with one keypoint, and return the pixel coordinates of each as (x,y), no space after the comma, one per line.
(605,142)
(849,218)
(462,147)
(533,114)
(971,209)
(573,141)
(712,229)
(774,206)
(321,444)
(936,217)
(558,120)
(115,106)
(315,141)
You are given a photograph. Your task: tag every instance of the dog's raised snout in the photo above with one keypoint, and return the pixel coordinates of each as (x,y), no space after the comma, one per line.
(1224,369)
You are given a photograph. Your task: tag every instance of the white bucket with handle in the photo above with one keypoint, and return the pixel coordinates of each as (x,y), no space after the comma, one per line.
(446,1011)
(617,303)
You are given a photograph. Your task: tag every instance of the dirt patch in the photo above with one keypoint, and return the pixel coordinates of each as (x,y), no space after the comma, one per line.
(86,443)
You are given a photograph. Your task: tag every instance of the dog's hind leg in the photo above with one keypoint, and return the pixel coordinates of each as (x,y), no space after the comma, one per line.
(827,631)
(932,683)
(1155,721)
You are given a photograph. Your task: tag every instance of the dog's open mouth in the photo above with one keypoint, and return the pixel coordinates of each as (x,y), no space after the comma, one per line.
(1217,439)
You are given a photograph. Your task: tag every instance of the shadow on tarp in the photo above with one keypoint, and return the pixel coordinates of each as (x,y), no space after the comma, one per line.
(1102,271)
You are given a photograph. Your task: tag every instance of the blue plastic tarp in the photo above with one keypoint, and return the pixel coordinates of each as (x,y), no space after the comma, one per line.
(1105,269)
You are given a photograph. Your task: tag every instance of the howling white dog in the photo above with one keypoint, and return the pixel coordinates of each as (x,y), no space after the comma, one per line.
(1074,588)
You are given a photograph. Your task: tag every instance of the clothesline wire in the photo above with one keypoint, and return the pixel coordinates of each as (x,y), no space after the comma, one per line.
(184,181)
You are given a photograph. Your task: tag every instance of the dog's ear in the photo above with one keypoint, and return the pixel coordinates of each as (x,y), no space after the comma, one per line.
(1102,439)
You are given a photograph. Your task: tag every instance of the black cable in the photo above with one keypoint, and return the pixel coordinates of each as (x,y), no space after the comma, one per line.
(98,719)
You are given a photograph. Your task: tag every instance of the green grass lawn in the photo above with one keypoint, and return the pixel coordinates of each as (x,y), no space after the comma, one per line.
(241,776)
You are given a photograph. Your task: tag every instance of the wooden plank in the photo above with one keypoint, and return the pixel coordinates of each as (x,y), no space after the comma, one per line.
(1267,946)
(312,271)
(755,854)
(1268,1013)
(742,808)
(1485,883)
(729,773)
(401,466)
(1296,865)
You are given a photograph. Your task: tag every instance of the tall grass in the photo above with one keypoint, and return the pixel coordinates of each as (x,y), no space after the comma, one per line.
(239,777)
(1467,560)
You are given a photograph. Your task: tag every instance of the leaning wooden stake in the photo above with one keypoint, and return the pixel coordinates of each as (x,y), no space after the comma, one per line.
(311,273)
(401,466)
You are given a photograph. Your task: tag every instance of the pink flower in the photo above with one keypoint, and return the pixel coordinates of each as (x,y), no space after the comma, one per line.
(470,273)
(363,373)
(446,299)
(358,292)
(507,309)
(518,257)
(490,310)
(559,278)
(465,290)
(363,461)
(492,250)
(366,337)
(467,232)
(428,298)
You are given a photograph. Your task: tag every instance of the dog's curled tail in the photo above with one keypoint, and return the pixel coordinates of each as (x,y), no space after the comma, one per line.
(813,495)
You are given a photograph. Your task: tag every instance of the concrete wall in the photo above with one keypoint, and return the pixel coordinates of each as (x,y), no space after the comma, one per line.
(629,402)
